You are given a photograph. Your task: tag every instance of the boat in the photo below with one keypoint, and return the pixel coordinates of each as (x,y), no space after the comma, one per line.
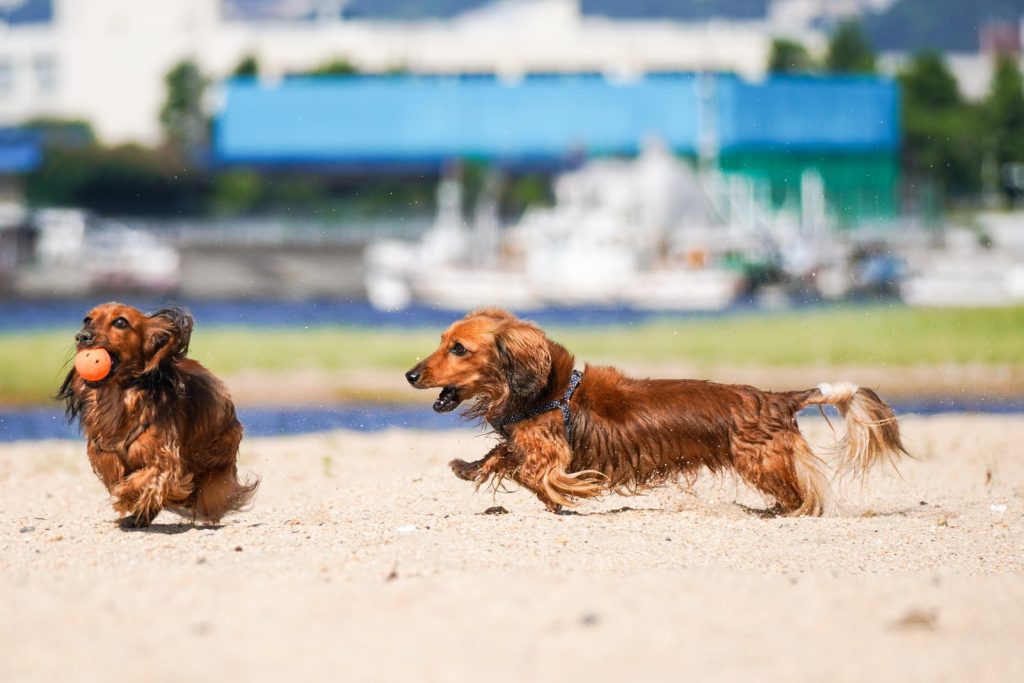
(66,252)
(643,233)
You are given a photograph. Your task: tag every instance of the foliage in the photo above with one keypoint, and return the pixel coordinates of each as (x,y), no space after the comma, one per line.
(126,180)
(1004,108)
(849,50)
(940,130)
(789,56)
(334,67)
(928,82)
(525,191)
(184,122)
(235,191)
(249,67)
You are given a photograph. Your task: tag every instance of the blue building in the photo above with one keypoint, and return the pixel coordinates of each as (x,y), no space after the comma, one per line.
(846,128)
(20,151)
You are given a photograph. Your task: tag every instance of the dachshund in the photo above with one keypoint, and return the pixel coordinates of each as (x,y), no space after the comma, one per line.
(566,435)
(161,429)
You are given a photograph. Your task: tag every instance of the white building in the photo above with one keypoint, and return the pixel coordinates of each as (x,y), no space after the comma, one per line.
(105,60)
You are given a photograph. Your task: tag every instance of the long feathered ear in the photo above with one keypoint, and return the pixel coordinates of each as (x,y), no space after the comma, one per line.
(73,401)
(167,337)
(524,357)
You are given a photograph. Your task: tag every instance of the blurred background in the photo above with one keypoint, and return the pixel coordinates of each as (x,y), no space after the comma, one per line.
(740,190)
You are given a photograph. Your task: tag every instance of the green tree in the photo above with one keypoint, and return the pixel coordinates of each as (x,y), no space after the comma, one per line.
(789,56)
(335,67)
(249,67)
(940,130)
(849,50)
(184,122)
(126,180)
(1005,112)
(928,83)
(235,191)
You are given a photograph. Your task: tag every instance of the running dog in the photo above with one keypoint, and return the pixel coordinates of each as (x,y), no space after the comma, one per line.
(566,434)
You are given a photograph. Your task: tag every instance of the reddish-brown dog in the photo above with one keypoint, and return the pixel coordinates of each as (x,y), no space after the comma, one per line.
(566,436)
(161,429)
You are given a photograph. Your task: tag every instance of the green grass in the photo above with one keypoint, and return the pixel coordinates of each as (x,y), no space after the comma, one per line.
(33,364)
(877,336)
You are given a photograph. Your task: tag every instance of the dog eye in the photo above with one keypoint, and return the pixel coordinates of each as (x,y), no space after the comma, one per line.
(458,349)
(86,320)
(120,323)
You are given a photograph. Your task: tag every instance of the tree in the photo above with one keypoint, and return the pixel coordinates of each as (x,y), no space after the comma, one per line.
(249,67)
(849,50)
(1004,108)
(126,180)
(927,82)
(182,117)
(940,130)
(789,56)
(335,67)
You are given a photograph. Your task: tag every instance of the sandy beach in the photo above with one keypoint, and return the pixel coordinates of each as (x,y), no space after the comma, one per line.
(365,559)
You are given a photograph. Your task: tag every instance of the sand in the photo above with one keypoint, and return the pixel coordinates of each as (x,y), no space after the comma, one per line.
(365,559)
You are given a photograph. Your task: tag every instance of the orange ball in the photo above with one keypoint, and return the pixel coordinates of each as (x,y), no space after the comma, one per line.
(92,364)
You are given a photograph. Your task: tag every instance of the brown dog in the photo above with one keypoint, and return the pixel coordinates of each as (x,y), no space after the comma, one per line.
(567,435)
(161,429)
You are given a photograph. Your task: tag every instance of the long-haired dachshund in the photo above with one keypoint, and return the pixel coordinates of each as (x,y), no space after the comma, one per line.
(566,434)
(161,429)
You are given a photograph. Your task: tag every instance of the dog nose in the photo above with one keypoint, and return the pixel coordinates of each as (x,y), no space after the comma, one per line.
(84,337)
(413,376)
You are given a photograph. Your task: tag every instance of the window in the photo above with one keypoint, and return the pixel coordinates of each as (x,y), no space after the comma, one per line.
(45,69)
(6,78)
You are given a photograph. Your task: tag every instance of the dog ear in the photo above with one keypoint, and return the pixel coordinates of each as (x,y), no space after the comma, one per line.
(524,356)
(167,337)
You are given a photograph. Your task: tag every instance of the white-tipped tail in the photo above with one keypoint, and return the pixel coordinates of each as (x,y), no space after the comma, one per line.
(872,434)
(838,392)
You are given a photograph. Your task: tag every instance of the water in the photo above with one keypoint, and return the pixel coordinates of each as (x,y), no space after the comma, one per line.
(21,315)
(48,423)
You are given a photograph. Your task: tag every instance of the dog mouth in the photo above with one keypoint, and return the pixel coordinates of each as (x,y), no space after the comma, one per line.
(115,363)
(448,400)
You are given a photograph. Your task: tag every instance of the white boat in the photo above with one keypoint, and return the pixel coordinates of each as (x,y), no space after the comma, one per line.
(72,257)
(644,233)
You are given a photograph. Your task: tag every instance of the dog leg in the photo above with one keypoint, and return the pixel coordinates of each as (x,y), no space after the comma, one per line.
(482,469)
(144,493)
(107,466)
(543,471)
(786,469)
(137,496)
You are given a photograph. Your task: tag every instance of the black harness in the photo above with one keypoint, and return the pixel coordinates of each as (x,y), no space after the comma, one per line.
(562,404)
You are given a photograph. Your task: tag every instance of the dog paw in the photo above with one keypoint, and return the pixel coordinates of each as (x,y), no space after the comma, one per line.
(464,470)
(133,522)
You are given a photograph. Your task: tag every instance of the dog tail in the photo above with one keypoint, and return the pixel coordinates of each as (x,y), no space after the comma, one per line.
(872,433)
(221,491)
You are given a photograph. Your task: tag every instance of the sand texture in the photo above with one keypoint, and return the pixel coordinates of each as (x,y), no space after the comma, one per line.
(365,559)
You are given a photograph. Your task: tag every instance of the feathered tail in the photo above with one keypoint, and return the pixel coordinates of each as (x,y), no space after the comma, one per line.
(872,433)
